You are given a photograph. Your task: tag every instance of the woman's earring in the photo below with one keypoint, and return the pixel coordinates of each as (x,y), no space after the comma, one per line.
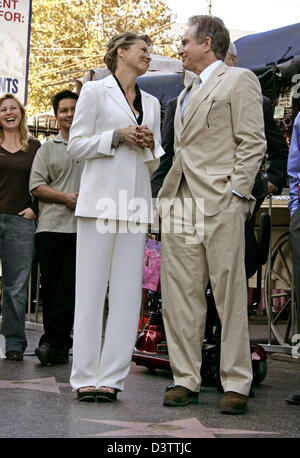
(123,58)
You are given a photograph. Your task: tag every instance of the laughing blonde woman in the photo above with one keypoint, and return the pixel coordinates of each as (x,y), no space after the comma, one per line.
(17,226)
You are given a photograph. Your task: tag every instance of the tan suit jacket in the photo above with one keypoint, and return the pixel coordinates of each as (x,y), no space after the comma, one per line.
(219,142)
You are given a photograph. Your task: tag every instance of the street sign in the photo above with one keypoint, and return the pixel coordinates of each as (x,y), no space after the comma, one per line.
(15,20)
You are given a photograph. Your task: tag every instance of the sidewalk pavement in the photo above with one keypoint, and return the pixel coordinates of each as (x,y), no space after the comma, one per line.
(38,402)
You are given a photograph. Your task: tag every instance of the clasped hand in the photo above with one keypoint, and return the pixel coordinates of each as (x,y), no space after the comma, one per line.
(70,199)
(139,136)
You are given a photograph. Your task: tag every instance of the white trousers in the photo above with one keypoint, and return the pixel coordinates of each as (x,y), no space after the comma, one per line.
(116,258)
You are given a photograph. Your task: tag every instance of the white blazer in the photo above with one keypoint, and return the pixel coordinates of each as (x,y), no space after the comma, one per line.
(113,178)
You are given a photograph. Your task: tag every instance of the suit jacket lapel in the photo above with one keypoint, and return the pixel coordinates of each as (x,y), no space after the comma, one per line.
(115,92)
(202,93)
(145,102)
(178,117)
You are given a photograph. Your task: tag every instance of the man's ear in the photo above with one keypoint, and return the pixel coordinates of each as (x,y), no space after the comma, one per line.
(207,44)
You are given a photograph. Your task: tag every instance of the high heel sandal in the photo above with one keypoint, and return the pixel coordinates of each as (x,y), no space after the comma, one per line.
(86,394)
(106,394)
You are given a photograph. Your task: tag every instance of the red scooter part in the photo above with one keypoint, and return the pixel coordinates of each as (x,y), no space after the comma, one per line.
(151,352)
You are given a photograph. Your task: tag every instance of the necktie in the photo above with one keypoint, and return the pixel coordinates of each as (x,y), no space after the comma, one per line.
(192,94)
(196,83)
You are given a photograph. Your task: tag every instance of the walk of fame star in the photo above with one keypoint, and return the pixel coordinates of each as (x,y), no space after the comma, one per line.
(184,428)
(48,384)
(187,428)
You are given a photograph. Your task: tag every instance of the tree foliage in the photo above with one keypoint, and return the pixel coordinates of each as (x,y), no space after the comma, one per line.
(68,37)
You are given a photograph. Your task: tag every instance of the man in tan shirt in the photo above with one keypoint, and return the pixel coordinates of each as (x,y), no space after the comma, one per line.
(55,180)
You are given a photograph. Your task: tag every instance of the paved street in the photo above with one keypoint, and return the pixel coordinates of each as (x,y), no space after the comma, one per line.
(37,402)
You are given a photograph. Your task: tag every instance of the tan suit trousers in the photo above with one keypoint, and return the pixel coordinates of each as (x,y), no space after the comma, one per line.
(187,267)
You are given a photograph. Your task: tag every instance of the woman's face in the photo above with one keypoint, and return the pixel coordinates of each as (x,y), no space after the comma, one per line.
(10,114)
(137,57)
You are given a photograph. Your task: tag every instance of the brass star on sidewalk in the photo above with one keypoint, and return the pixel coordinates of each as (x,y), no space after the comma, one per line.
(47,384)
(187,428)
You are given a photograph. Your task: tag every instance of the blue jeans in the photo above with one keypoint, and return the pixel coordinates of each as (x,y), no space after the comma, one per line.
(16,253)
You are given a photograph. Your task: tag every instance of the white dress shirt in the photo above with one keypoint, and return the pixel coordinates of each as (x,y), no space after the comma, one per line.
(204,75)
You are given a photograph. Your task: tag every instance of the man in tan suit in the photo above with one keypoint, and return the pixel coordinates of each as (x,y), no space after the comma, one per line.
(219,145)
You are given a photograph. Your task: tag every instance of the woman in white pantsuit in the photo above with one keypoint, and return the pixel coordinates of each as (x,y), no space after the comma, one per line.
(116,129)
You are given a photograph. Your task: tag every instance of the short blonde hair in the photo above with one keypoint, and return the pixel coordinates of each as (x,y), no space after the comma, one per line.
(23,130)
(124,40)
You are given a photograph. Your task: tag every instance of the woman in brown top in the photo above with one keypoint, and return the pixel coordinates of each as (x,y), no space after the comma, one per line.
(17,226)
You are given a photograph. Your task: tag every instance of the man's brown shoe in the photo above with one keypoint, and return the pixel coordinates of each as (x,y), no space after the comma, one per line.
(234,403)
(179,396)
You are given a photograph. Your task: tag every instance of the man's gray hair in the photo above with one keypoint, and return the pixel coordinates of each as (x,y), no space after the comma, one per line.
(213,27)
(232,49)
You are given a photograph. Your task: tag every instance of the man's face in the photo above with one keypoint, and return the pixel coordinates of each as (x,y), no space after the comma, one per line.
(191,52)
(65,113)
